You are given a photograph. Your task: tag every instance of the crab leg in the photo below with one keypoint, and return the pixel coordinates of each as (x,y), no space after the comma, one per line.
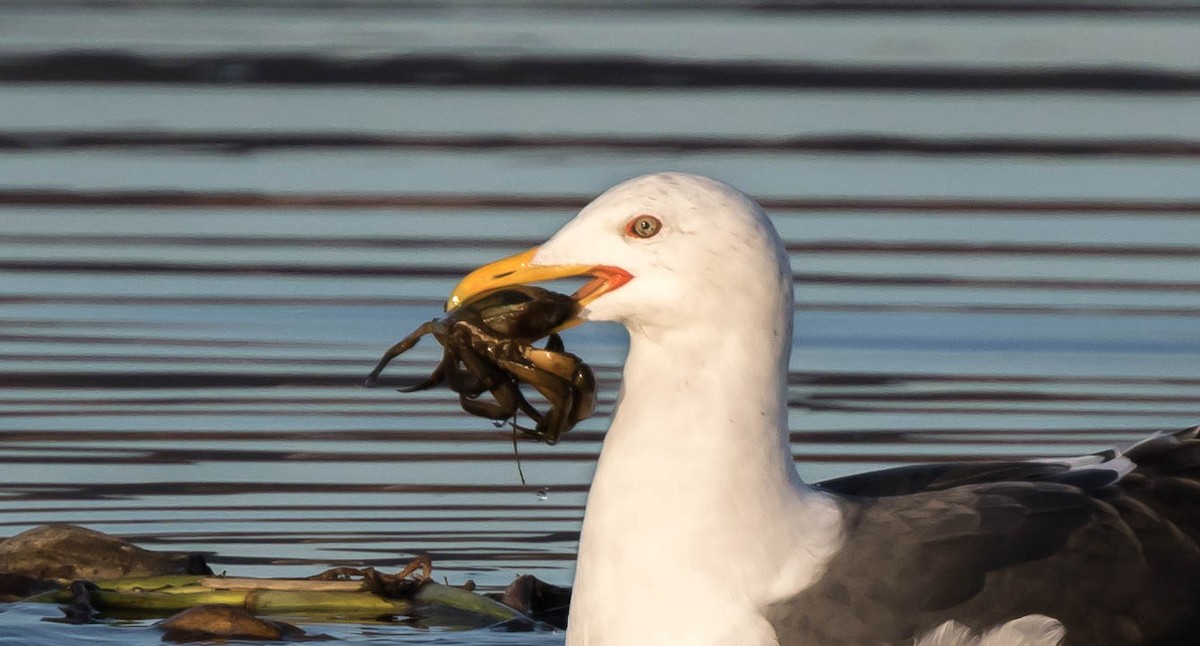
(481,375)
(508,400)
(439,373)
(402,346)
(558,391)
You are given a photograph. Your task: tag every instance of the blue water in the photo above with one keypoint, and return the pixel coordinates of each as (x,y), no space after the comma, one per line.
(187,374)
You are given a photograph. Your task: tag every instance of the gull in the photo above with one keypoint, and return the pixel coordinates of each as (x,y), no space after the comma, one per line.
(699,531)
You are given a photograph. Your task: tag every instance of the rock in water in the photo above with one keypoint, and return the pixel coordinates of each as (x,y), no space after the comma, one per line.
(209,621)
(539,600)
(14,587)
(73,552)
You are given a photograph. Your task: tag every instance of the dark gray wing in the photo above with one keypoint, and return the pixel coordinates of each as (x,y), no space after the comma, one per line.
(1106,544)
(939,477)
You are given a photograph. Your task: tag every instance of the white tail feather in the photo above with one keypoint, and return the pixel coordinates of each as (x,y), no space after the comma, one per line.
(1030,630)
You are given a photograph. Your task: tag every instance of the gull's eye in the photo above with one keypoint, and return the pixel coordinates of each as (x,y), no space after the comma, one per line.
(643,226)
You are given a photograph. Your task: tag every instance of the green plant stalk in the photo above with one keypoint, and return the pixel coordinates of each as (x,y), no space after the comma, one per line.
(270,602)
(436,594)
(168,594)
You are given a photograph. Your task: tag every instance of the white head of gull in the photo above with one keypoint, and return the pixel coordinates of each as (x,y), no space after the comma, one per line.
(697,458)
(698,529)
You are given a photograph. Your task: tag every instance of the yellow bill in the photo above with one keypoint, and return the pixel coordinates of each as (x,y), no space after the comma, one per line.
(519,270)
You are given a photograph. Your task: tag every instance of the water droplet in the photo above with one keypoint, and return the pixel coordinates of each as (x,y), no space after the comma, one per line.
(543,493)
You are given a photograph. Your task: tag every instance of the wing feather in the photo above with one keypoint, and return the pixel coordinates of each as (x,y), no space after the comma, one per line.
(1107,544)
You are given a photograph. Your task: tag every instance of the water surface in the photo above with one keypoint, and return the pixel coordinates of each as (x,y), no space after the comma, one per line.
(185,319)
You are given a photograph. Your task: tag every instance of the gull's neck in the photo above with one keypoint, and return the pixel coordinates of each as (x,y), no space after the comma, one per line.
(716,398)
(695,494)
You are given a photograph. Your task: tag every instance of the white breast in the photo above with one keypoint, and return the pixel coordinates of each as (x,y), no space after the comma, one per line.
(696,520)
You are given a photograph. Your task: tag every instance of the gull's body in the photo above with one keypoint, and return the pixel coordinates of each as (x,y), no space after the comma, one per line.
(698,530)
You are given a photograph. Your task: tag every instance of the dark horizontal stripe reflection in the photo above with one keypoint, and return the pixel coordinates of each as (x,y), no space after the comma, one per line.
(593,71)
(238,143)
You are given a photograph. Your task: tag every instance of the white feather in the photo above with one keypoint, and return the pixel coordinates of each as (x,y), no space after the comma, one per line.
(1030,630)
